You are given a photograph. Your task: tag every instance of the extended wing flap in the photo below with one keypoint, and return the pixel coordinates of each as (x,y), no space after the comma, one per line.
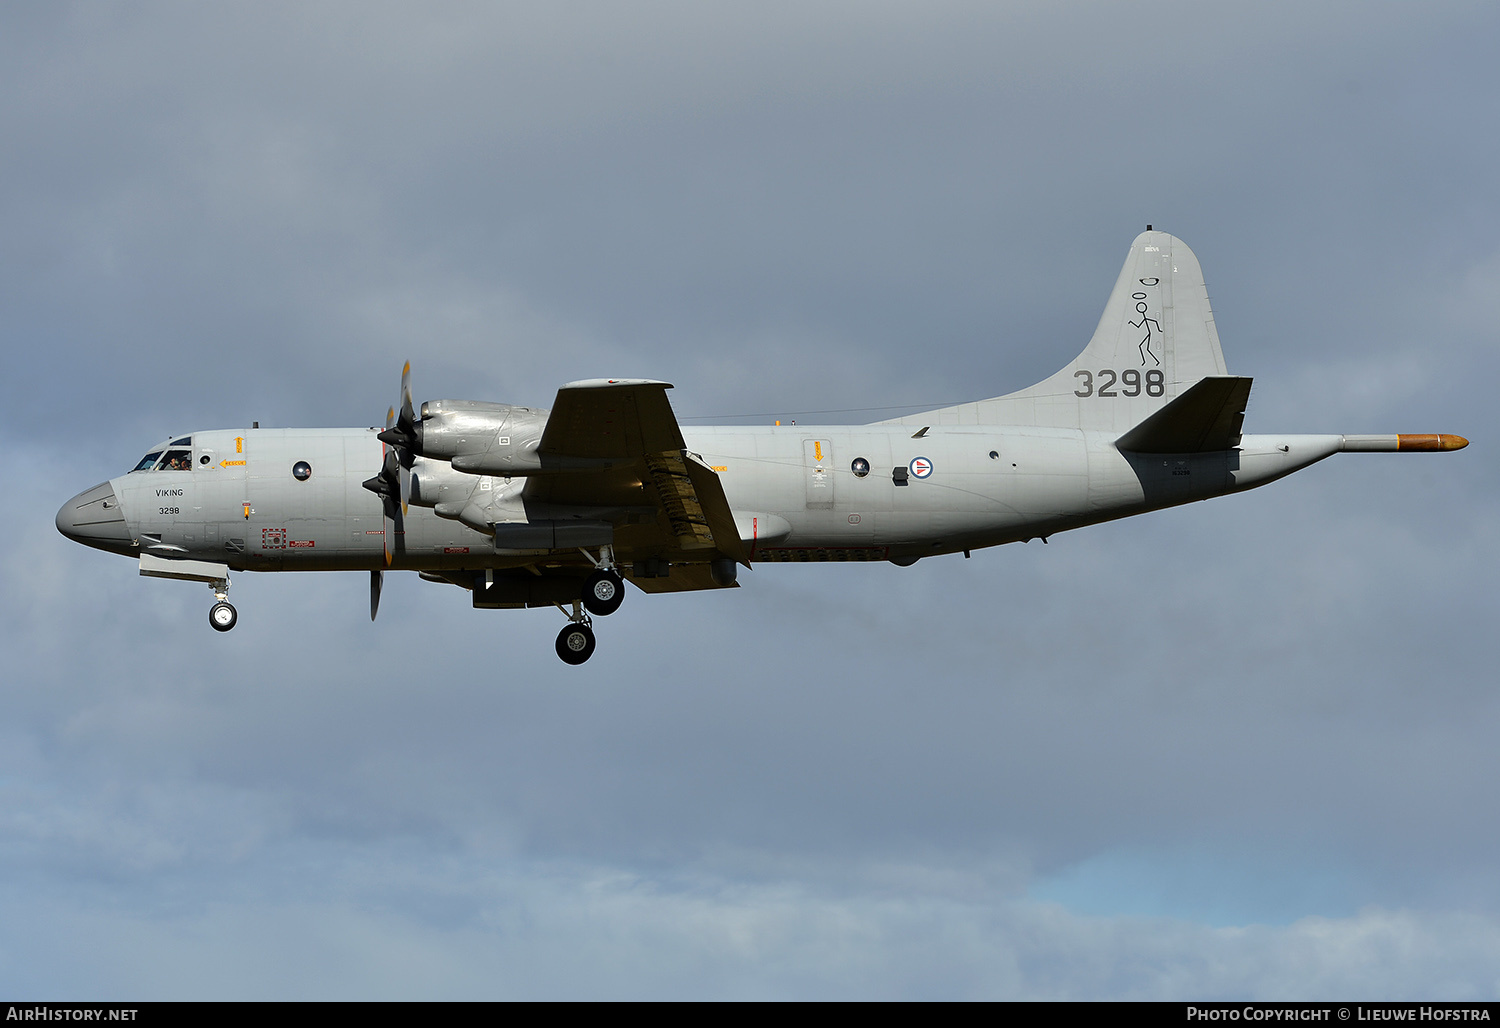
(1204,419)
(675,493)
(709,492)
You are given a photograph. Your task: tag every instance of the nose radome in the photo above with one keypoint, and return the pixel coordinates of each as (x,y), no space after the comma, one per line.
(94,518)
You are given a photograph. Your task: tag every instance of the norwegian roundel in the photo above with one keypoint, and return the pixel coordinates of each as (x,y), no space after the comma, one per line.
(920,467)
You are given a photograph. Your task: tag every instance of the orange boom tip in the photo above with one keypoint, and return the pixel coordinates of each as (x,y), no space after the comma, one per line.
(1431,442)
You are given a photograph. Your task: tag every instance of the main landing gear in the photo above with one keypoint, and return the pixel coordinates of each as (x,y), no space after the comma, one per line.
(575,643)
(603,592)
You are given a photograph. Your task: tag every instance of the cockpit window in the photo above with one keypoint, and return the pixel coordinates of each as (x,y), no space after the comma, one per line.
(148,462)
(177,460)
(186,440)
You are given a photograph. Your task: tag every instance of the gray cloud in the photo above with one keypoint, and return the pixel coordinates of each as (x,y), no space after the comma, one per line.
(1241,748)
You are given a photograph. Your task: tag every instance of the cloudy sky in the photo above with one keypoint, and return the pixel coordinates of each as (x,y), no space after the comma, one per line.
(1241,749)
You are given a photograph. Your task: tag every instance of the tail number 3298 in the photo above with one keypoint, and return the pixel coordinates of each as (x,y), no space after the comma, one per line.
(1128,381)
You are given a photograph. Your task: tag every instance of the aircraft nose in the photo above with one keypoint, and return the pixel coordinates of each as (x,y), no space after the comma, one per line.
(94,518)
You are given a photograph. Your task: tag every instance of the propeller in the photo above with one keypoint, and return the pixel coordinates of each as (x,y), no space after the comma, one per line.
(383,484)
(404,435)
(403,440)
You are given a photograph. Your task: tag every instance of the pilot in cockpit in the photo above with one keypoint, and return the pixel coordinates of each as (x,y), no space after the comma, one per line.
(175,460)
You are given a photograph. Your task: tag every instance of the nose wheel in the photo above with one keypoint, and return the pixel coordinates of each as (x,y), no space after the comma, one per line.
(222,616)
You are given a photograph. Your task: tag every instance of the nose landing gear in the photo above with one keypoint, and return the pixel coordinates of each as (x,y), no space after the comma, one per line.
(222,615)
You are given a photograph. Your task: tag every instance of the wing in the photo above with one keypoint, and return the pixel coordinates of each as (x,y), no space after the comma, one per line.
(665,502)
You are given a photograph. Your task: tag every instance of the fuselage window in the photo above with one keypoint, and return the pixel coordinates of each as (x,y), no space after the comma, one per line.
(177,460)
(302,471)
(148,462)
(860,467)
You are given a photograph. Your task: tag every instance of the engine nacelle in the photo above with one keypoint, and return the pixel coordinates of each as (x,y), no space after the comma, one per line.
(481,438)
(434,482)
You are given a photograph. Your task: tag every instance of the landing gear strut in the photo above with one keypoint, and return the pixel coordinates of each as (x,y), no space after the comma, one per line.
(603,592)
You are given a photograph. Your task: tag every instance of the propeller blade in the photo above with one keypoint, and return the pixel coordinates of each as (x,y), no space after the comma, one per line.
(390,538)
(401,427)
(403,474)
(377,578)
(408,413)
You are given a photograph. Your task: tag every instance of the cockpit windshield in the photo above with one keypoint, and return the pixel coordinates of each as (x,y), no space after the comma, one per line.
(167,458)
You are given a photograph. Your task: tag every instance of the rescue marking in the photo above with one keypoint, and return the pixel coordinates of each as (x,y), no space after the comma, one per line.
(920,467)
(231,463)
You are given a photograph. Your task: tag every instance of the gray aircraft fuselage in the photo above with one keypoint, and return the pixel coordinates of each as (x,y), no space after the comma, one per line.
(792,488)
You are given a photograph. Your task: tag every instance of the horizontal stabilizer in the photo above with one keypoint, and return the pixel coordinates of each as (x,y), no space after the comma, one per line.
(1204,419)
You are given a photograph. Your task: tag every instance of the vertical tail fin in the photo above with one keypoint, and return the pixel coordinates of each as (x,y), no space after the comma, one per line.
(1155,340)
